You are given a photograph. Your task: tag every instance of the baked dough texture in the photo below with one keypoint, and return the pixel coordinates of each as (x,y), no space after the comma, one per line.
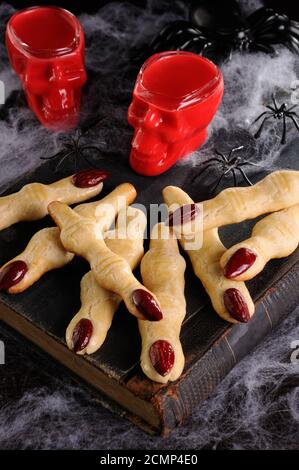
(274,236)
(45,251)
(206,260)
(31,202)
(162,270)
(81,236)
(98,304)
(276,191)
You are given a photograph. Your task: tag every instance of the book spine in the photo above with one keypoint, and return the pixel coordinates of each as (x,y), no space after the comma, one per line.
(205,374)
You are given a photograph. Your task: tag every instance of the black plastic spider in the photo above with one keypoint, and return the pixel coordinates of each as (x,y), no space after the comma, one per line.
(278,112)
(74,149)
(228,164)
(216,29)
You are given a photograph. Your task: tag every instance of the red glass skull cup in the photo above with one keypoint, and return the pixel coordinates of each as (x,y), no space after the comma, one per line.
(176,96)
(46,50)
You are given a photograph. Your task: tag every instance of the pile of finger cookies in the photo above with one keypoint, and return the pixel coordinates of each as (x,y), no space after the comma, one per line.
(158,301)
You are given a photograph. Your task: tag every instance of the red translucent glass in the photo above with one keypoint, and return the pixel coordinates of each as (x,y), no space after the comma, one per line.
(46,50)
(176,95)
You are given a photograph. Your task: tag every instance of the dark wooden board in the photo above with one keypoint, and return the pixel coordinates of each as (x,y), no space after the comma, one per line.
(50,304)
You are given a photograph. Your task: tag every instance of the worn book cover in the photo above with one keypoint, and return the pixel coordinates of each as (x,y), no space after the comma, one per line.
(211,346)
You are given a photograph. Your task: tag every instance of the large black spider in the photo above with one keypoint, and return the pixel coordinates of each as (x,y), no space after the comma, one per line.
(216,29)
(228,164)
(75,149)
(281,112)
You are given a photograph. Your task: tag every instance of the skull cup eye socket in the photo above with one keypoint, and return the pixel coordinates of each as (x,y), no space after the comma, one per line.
(138,108)
(71,73)
(142,112)
(170,119)
(38,82)
(74,74)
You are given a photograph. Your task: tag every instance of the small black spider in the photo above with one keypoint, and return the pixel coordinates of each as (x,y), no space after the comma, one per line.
(278,112)
(74,149)
(228,164)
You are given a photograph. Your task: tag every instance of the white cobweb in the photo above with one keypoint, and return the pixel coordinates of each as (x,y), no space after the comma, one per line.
(257,405)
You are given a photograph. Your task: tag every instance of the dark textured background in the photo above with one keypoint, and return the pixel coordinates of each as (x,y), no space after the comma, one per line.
(257,406)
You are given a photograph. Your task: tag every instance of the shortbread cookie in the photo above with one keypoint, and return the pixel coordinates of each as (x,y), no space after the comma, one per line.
(230,299)
(275,236)
(162,270)
(45,252)
(81,236)
(276,191)
(31,202)
(88,329)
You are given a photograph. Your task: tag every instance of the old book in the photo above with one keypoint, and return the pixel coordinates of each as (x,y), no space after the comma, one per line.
(212,347)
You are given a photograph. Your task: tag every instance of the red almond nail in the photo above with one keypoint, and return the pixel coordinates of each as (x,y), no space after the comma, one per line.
(147,305)
(236,305)
(162,356)
(182,215)
(12,274)
(239,262)
(89,178)
(82,334)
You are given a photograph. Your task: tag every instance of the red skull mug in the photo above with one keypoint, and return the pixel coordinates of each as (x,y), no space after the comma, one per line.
(46,50)
(176,96)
